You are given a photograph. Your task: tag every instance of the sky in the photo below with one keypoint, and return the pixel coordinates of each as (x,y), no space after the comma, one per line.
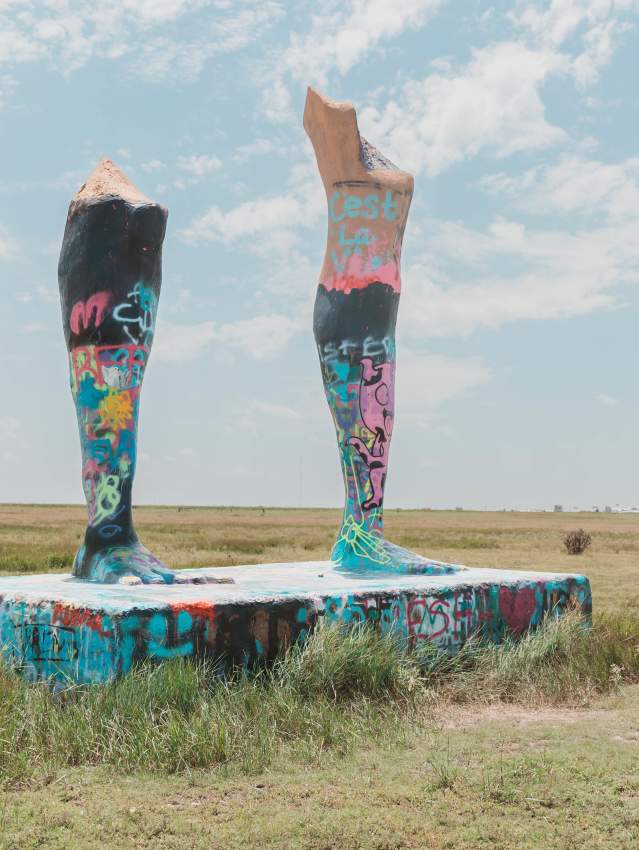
(517,356)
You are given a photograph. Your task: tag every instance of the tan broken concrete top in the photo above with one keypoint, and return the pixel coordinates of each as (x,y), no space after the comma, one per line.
(107,179)
(341,152)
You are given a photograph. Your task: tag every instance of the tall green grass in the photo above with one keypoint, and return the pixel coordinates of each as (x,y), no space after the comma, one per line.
(338,690)
(562,662)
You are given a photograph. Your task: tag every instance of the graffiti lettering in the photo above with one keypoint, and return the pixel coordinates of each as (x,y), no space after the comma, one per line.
(137,315)
(353,206)
(89,312)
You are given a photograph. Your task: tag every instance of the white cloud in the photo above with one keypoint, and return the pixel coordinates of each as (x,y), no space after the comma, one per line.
(555,21)
(600,43)
(196,166)
(199,165)
(606,400)
(278,411)
(48,294)
(183,300)
(10,428)
(69,34)
(34,327)
(471,279)
(165,56)
(567,272)
(262,215)
(595,25)
(155,11)
(491,106)
(188,452)
(574,186)
(8,245)
(271,226)
(259,147)
(261,337)
(338,38)
(45,294)
(345,32)
(427,380)
(11,431)
(7,87)
(275,229)
(180,343)
(152,165)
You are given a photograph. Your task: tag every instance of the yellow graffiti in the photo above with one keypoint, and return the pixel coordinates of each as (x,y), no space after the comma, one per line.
(356,536)
(362,543)
(116,409)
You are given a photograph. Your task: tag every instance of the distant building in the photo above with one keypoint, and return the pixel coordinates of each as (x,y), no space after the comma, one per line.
(558,509)
(608,509)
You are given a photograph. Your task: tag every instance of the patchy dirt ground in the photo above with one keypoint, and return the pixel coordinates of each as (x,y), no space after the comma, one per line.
(498,778)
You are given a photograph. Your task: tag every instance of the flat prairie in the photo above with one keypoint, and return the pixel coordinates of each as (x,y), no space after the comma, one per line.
(44,538)
(471,772)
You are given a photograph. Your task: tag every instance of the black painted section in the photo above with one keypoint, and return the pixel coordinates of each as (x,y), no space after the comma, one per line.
(109,245)
(356,315)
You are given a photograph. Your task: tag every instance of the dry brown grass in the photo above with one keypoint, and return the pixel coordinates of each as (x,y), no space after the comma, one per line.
(42,538)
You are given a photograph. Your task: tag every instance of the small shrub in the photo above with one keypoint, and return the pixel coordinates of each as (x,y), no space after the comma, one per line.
(577,542)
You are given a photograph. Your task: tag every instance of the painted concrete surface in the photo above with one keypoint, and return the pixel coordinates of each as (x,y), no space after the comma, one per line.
(55,627)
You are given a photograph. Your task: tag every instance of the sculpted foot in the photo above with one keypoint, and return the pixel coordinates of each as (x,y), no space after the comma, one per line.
(132,564)
(356,305)
(361,551)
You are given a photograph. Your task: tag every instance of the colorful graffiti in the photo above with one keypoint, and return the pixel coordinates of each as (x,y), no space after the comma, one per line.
(74,641)
(110,274)
(354,326)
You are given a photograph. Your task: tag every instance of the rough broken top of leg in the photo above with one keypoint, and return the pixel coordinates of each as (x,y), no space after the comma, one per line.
(107,180)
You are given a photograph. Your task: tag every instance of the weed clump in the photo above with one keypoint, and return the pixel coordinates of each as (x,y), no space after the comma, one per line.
(576,542)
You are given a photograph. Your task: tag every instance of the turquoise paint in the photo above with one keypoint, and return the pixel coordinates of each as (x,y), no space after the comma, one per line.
(74,633)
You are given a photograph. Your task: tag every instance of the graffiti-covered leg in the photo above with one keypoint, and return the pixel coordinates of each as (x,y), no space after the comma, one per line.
(110,277)
(354,324)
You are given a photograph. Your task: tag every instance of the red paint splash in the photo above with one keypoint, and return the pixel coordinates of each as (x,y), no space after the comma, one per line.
(517,607)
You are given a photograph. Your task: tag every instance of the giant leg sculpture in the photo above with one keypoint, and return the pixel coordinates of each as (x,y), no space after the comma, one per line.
(110,273)
(354,325)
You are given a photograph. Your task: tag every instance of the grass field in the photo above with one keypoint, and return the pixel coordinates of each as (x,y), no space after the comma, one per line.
(44,539)
(411,762)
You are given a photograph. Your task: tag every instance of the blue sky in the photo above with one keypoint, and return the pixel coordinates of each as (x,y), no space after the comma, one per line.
(517,359)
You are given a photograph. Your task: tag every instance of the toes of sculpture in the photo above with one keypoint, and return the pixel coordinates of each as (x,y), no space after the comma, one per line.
(130,565)
(361,551)
(134,565)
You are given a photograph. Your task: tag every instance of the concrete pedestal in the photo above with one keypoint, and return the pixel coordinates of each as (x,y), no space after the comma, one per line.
(53,627)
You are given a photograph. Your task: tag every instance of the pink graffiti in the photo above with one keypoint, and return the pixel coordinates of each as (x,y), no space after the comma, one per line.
(89,312)
(376,397)
(358,273)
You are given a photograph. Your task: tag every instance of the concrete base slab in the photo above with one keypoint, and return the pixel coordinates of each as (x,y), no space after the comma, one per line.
(53,627)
